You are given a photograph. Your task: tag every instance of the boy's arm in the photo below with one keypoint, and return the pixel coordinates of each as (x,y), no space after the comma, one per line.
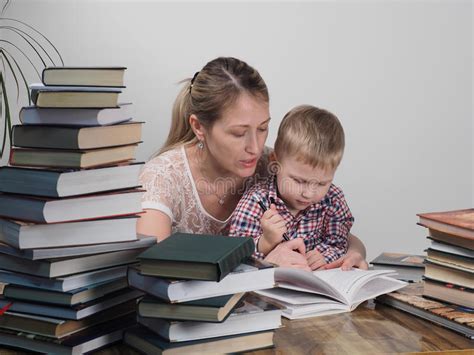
(245,221)
(339,221)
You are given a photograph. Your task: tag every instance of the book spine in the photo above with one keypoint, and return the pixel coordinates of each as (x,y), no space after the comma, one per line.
(235,258)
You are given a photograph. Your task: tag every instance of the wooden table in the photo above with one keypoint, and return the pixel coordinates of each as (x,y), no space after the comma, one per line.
(370,329)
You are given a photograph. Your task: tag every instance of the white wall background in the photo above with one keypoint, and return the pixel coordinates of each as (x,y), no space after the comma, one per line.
(397,73)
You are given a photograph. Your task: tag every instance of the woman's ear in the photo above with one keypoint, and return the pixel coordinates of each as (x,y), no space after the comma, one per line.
(197,127)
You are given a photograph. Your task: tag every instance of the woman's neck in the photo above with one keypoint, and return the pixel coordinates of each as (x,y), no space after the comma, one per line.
(209,168)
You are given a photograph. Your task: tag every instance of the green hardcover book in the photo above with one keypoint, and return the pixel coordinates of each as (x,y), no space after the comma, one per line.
(195,256)
(147,342)
(215,309)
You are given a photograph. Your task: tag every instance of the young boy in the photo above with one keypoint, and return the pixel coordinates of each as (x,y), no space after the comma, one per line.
(298,200)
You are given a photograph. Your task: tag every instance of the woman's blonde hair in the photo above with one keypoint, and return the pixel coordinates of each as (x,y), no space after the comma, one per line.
(213,89)
(312,135)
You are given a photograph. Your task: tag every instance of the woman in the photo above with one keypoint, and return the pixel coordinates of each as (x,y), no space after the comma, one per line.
(214,150)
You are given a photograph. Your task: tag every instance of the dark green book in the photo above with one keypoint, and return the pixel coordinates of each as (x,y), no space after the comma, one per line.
(195,256)
(147,342)
(215,309)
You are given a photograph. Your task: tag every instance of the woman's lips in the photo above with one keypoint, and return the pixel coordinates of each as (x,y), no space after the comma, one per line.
(248,163)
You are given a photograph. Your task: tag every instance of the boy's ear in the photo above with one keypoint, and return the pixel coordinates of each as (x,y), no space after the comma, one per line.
(272,156)
(197,127)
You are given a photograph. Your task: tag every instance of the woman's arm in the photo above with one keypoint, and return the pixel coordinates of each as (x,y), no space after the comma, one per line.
(154,223)
(355,256)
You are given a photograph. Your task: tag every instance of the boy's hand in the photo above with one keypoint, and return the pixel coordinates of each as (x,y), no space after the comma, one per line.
(315,259)
(273,226)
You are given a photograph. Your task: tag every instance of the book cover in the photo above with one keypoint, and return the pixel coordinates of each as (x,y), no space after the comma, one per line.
(215,309)
(84,76)
(458,222)
(410,300)
(399,259)
(69,137)
(83,117)
(146,341)
(68,182)
(195,256)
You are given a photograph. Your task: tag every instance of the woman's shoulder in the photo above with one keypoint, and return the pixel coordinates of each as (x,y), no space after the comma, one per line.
(170,160)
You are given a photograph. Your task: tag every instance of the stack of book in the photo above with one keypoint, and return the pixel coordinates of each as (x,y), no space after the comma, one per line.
(446,296)
(68,204)
(449,271)
(196,298)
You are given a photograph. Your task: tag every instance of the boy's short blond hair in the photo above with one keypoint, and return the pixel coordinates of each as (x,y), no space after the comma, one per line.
(312,135)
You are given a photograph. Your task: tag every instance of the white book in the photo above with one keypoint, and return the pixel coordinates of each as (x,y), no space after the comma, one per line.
(76,116)
(244,278)
(23,235)
(66,283)
(68,182)
(70,209)
(328,291)
(451,249)
(253,315)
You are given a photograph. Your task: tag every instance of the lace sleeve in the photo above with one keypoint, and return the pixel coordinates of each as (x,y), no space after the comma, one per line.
(161,192)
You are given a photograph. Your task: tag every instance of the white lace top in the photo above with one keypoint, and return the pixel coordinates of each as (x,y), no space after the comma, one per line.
(170,188)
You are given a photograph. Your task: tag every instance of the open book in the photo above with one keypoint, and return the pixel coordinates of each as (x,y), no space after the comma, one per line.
(308,294)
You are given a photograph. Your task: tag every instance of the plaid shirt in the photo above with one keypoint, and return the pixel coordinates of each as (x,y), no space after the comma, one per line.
(324,225)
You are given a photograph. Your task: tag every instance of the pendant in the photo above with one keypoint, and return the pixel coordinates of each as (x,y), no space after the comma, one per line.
(221,201)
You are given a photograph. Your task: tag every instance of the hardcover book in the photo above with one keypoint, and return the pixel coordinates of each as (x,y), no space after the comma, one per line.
(50,210)
(439,271)
(84,76)
(85,117)
(215,309)
(67,137)
(85,341)
(74,312)
(252,315)
(60,328)
(67,266)
(408,267)
(73,96)
(148,342)
(449,292)
(142,242)
(410,300)
(195,256)
(70,298)
(24,235)
(459,222)
(68,182)
(65,283)
(249,276)
(74,159)
(451,239)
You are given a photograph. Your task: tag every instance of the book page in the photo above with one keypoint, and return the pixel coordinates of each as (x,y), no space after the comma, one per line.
(341,285)
(376,287)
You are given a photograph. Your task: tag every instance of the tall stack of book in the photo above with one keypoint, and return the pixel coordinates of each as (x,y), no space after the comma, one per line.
(446,296)
(196,298)
(68,204)
(449,270)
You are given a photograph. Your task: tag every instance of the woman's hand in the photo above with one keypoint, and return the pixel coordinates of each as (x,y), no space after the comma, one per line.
(289,254)
(348,261)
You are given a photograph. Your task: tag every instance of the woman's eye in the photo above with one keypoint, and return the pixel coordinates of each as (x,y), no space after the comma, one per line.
(263,129)
(238,135)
